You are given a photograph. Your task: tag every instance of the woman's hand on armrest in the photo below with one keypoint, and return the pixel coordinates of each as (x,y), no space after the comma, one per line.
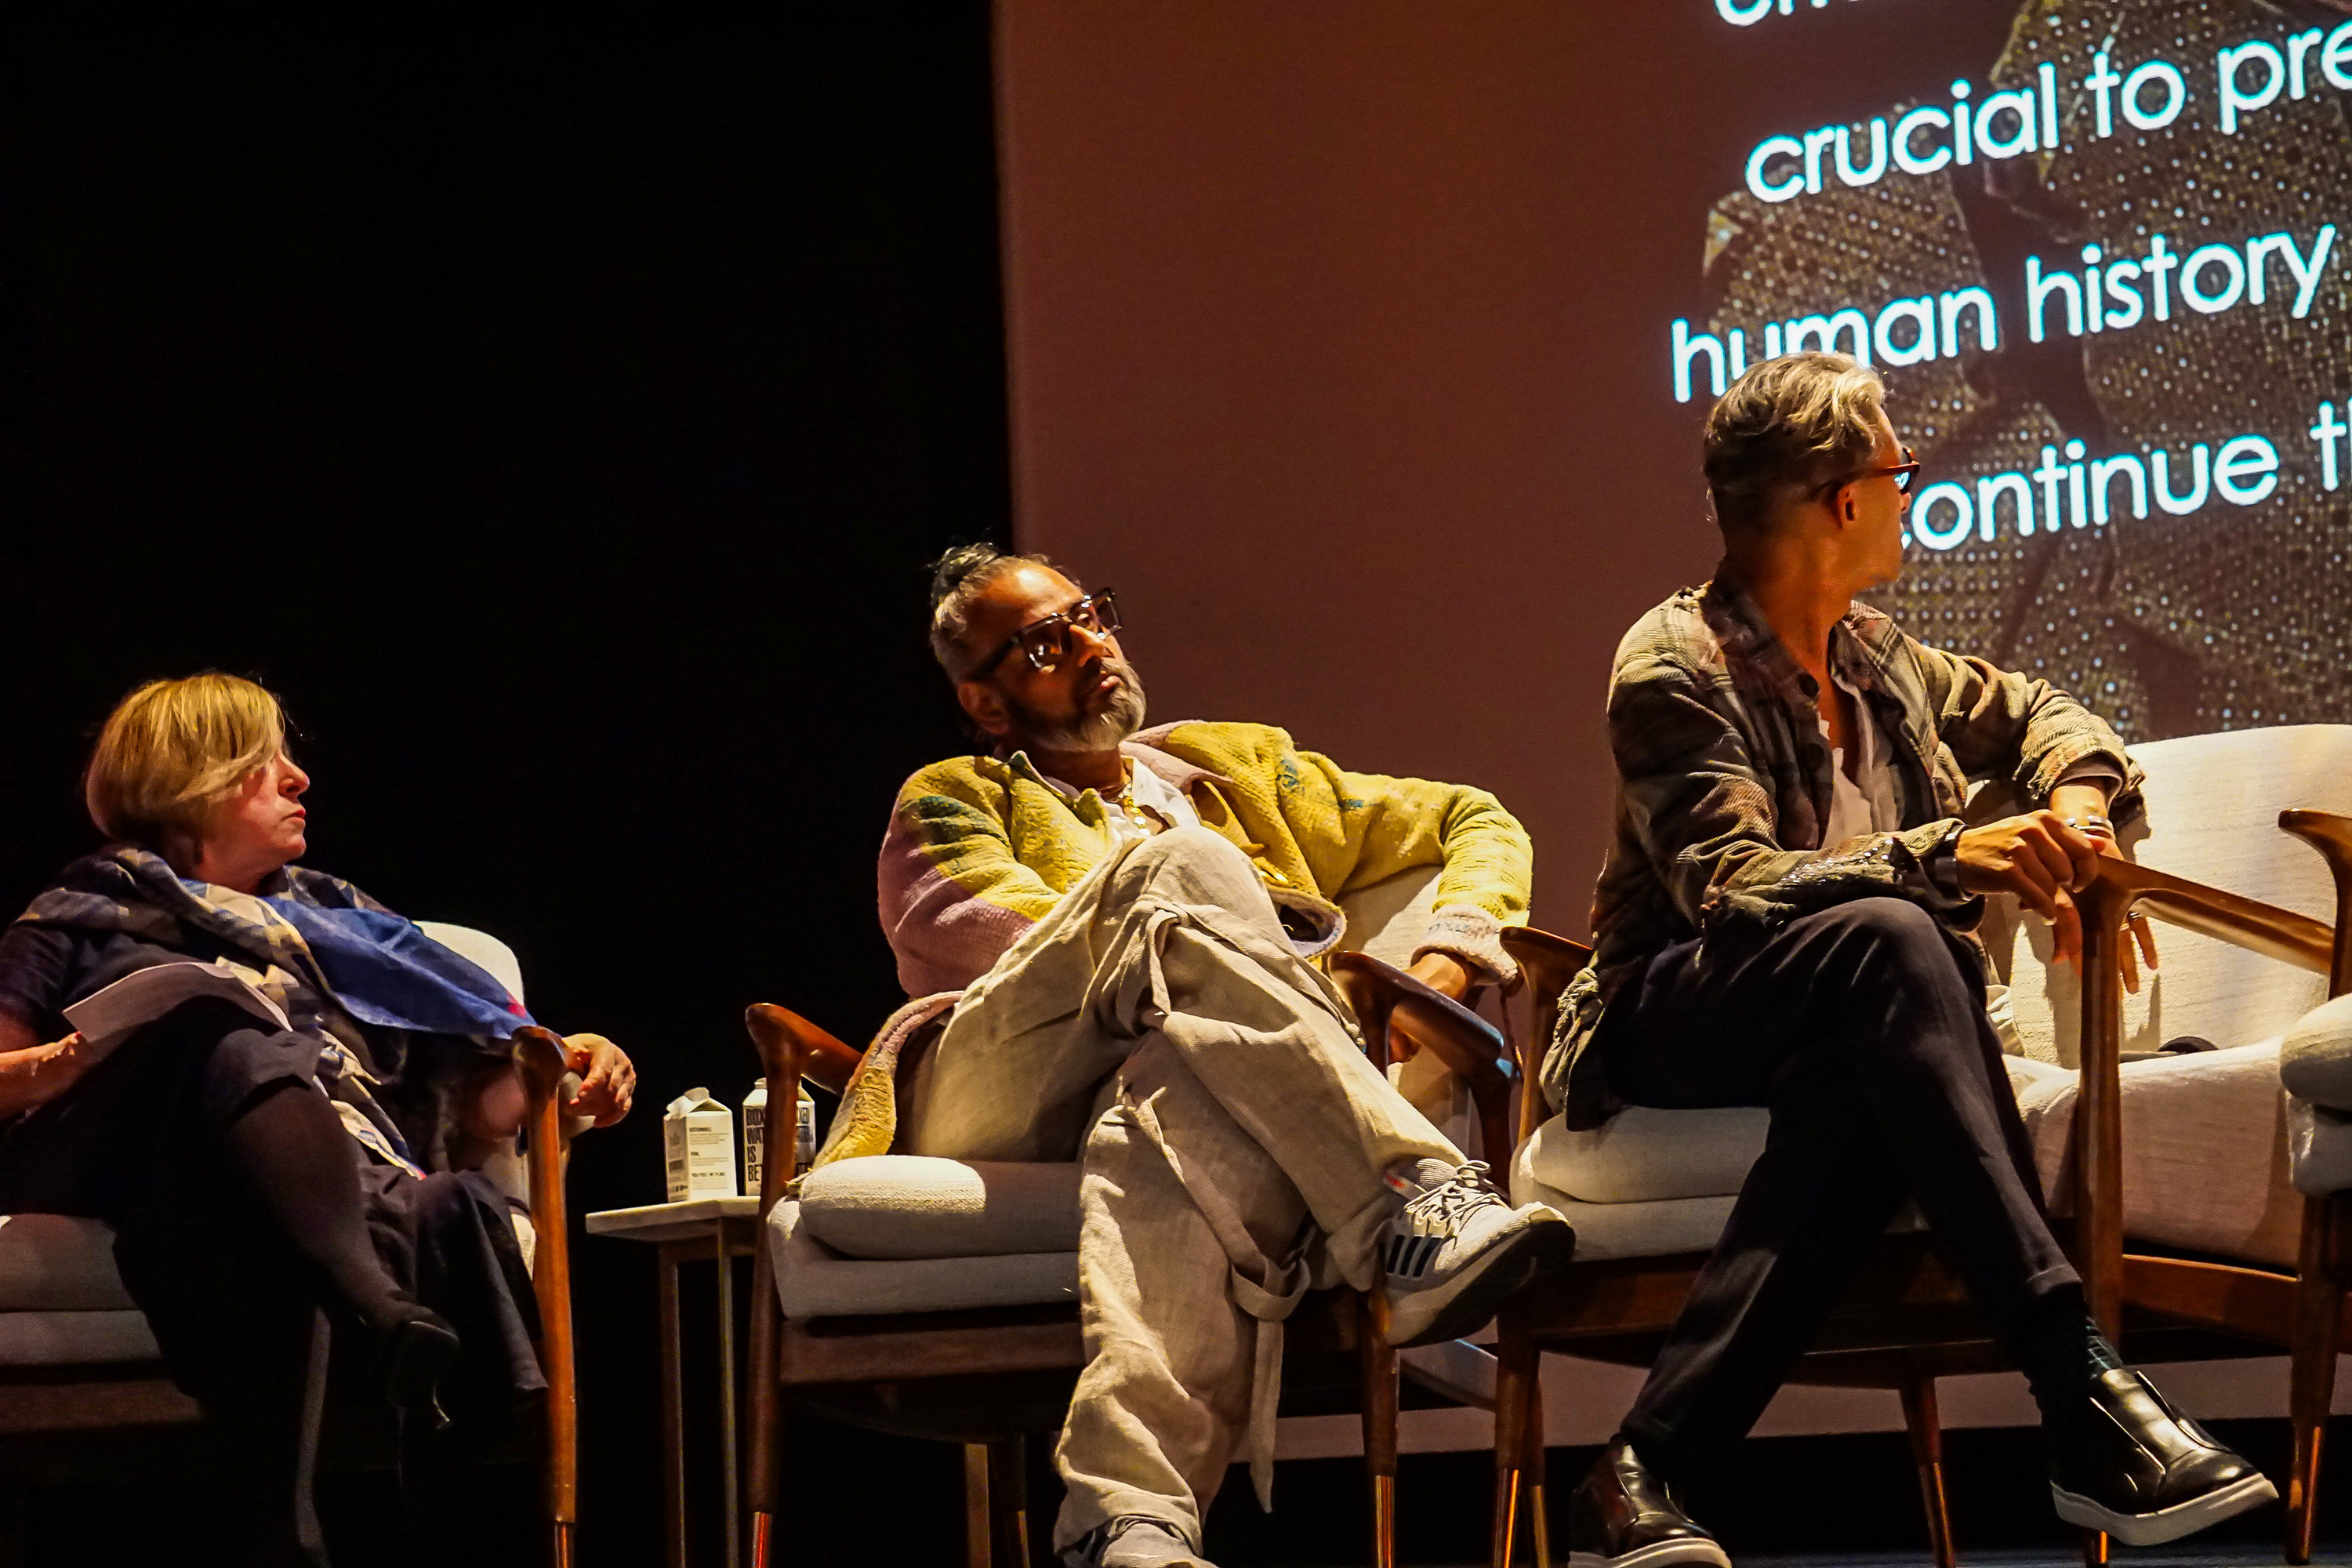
(608,1083)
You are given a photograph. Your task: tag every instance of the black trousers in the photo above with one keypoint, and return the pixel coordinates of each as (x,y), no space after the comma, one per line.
(1862,1029)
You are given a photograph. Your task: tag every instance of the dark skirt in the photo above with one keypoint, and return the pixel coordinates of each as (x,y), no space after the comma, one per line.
(137,1142)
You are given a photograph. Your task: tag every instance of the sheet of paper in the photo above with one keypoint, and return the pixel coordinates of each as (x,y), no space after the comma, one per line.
(104,1018)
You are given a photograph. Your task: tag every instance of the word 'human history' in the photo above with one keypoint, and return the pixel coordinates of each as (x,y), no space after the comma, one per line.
(2111,291)
(2248,78)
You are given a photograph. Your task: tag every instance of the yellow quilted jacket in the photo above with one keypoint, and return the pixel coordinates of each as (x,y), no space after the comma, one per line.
(979,849)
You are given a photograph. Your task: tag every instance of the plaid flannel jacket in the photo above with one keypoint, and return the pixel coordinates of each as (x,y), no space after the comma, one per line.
(1723,786)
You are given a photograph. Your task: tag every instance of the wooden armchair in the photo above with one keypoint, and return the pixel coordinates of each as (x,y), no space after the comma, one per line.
(917,1358)
(1905,1322)
(2202,1184)
(2301,1308)
(81,1382)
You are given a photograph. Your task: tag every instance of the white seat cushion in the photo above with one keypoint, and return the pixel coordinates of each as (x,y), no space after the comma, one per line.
(2205,1154)
(71,1339)
(814,1281)
(915,1206)
(1658,1229)
(1682,1170)
(58,1263)
(1642,1156)
(2315,1057)
(62,1299)
(2319,1148)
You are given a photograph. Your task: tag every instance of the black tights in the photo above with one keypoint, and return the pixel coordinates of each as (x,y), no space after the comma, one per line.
(290,1145)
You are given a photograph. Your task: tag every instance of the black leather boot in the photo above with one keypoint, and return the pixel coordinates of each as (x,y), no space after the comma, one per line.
(1623,1516)
(2129,1464)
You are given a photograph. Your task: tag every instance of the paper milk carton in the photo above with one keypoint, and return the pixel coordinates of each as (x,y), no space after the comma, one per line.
(699,1144)
(755,1132)
(755,1136)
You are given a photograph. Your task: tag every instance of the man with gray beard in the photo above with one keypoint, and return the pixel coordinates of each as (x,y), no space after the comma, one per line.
(1126,924)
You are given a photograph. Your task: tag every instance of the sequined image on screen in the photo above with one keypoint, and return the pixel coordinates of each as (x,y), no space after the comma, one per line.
(2227,615)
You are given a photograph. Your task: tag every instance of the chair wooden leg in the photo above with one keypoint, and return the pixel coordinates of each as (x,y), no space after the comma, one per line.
(1008,1502)
(1532,1470)
(1925,1426)
(1376,1368)
(2318,1318)
(1515,1360)
(767,1419)
(978,1543)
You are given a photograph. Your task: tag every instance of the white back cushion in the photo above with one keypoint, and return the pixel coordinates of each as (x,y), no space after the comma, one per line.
(481,950)
(495,958)
(1386,920)
(2212,816)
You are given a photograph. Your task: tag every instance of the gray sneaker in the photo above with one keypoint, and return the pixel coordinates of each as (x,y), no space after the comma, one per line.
(1135,1540)
(1458,1249)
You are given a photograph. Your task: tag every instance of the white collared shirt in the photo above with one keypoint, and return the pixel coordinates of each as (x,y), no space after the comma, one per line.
(1149,805)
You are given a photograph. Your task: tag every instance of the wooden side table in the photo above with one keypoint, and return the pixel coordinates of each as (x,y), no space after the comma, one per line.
(704,1230)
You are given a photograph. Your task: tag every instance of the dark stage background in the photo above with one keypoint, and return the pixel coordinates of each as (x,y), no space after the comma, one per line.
(558,417)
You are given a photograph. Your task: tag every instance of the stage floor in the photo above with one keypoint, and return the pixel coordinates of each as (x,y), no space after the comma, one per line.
(2183,1554)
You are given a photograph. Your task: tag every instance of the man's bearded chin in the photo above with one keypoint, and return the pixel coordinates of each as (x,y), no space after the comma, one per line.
(1120,715)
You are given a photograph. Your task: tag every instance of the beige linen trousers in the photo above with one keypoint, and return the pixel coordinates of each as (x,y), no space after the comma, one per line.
(1158,1027)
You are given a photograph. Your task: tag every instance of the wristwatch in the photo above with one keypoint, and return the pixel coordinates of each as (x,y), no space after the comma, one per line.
(1942,864)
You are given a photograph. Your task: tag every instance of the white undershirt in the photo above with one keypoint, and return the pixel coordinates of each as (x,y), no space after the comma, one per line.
(1150,803)
(1873,805)
(1871,801)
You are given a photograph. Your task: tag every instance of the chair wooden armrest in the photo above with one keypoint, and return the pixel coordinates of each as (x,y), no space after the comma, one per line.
(1547,963)
(2304,1309)
(543,1060)
(1473,1050)
(2119,887)
(2330,833)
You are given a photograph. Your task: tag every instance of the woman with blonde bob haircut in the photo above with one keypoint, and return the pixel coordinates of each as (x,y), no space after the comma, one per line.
(173,750)
(274,1189)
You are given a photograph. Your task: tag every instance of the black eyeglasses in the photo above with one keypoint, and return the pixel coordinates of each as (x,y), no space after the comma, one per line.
(1048,642)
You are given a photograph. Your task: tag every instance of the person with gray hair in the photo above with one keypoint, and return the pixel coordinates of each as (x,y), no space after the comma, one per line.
(1785,920)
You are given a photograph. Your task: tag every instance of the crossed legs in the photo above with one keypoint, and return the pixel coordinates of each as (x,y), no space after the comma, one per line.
(1863,1028)
(1158,1027)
